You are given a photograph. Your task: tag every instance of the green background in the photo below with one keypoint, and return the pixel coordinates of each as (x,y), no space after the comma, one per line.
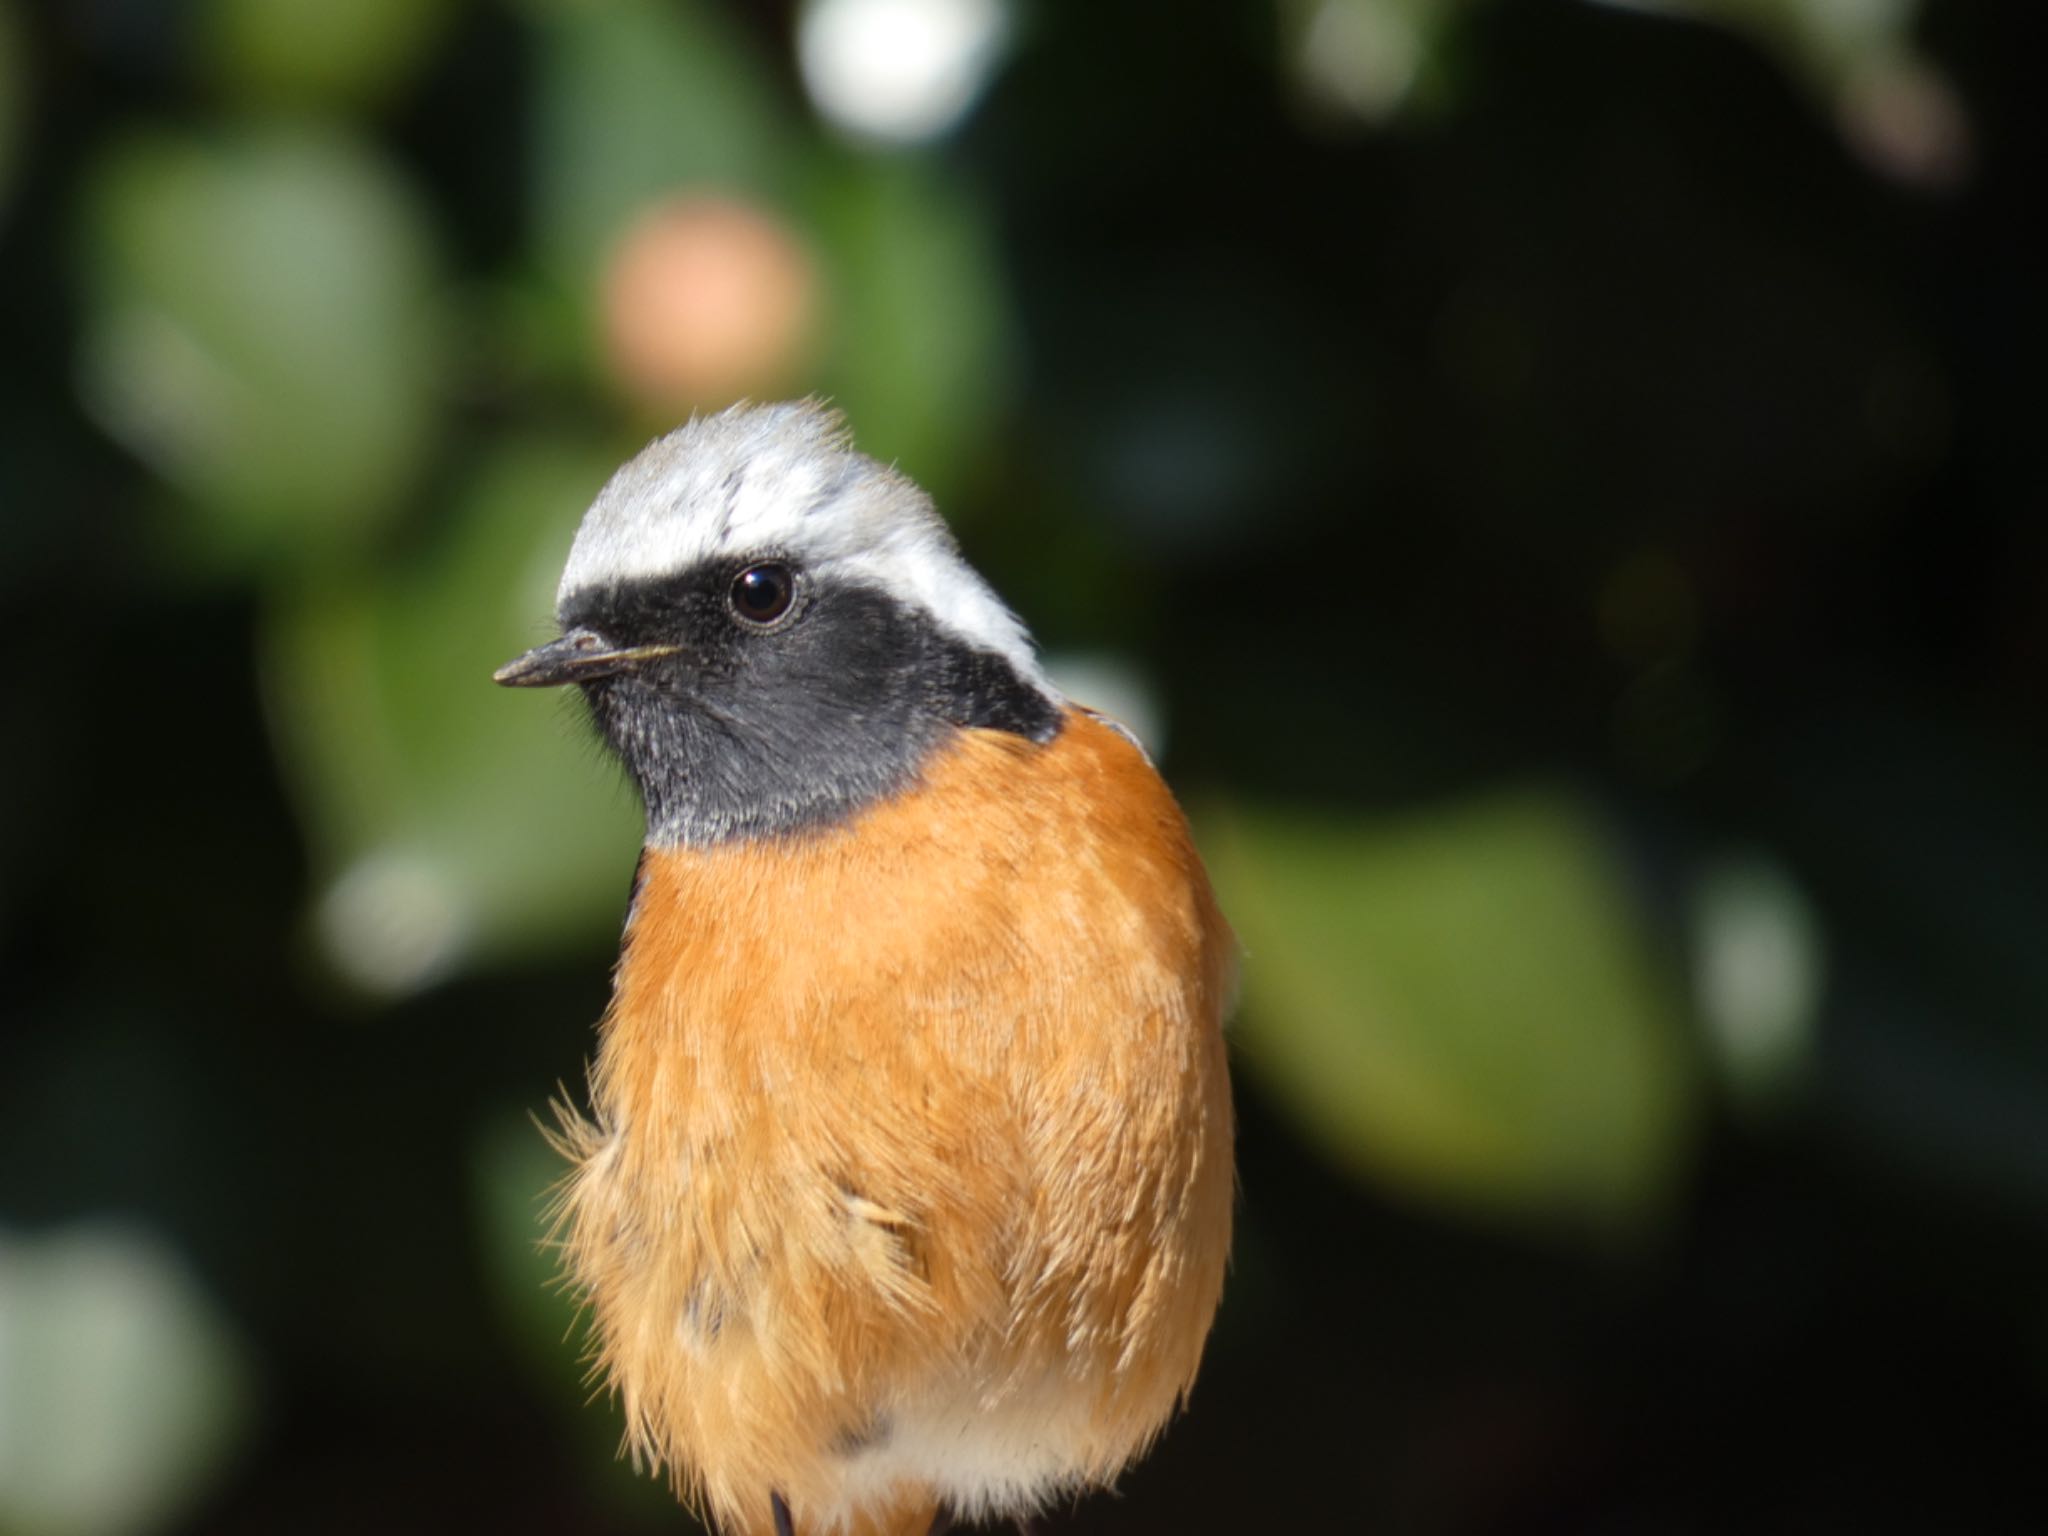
(1557,482)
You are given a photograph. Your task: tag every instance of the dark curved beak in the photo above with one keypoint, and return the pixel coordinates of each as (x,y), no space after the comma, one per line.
(580,656)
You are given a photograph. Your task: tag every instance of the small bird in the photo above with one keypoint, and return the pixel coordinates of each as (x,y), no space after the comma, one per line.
(905,1192)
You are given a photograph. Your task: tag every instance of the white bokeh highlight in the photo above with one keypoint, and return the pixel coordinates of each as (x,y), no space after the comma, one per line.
(1758,972)
(899,71)
(394,923)
(124,1388)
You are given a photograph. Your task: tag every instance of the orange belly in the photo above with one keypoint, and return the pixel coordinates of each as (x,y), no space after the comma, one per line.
(909,1177)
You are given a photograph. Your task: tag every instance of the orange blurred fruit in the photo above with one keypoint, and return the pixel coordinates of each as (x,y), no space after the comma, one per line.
(706,299)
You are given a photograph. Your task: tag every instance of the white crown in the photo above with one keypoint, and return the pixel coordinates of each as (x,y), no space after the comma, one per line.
(785,480)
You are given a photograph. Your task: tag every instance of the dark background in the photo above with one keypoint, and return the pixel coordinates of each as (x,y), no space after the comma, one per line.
(1566,501)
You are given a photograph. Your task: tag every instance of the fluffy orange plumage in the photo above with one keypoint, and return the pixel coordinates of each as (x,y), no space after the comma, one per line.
(909,1178)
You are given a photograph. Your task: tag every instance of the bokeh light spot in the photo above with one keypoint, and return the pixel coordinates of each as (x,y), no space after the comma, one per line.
(393,923)
(1903,117)
(122,1387)
(1757,974)
(898,70)
(1358,56)
(707,299)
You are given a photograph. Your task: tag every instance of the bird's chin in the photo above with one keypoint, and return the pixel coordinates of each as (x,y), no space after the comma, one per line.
(651,730)
(601,699)
(612,712)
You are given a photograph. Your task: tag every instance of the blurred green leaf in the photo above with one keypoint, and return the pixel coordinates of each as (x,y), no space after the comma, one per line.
(122,1387)
(260,327)
(1460,1004)
(638,98)
(309,53)
(451,819)
(920,355)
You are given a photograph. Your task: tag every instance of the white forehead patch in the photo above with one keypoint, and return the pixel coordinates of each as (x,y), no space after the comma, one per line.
(785,479)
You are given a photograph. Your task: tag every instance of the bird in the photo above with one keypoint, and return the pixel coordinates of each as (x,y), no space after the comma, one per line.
(904,1192)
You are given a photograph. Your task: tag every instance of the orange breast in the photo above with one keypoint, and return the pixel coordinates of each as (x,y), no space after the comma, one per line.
(909,1176)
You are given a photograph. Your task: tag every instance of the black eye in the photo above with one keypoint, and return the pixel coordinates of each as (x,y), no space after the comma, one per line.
(761,594)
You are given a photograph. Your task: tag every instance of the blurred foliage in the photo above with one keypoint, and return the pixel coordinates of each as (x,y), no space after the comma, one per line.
(261,334)
(1462,1004)
(642,98)
(635,99)
(433,854)
(1552,479)
(300,53)
(921,354)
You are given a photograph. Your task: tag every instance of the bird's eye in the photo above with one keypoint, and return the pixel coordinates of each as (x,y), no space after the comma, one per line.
(761,594)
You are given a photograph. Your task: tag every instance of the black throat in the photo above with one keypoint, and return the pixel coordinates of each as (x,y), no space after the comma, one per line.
(746,732)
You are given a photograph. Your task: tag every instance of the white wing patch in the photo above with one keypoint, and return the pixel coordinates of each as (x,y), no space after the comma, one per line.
(786,479)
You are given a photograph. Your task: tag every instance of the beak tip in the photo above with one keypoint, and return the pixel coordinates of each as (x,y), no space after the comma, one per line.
(538,668)
(579,656)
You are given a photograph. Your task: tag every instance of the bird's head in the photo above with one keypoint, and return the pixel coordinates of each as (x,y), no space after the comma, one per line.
(773,630)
